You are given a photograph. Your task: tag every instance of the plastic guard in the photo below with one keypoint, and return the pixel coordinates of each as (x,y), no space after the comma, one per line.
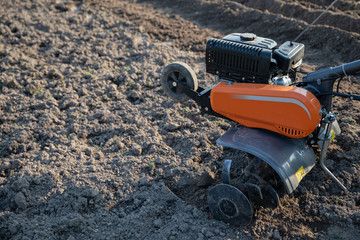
(291,158)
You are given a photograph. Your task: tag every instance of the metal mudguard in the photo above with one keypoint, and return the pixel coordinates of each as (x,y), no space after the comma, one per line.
(291,158)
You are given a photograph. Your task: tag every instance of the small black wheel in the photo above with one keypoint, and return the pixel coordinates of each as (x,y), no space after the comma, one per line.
(229,204)
(176,73)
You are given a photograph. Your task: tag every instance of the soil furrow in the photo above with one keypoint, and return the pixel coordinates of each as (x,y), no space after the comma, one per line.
(230,16)
(335,19)
(350,7)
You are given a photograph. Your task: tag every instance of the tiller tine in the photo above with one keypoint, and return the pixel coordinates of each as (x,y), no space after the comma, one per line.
(234,203)
(254,191)
(229,204)
(262,196)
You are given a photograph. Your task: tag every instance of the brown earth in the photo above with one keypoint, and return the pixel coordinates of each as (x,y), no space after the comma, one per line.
(91,148)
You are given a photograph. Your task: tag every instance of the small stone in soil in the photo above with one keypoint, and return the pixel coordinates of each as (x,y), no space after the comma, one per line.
(136,149)
(157,223)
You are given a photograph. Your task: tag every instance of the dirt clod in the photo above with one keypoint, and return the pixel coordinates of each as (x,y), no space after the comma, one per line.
(205,179)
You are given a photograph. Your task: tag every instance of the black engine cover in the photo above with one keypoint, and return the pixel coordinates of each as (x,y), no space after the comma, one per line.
(244,57)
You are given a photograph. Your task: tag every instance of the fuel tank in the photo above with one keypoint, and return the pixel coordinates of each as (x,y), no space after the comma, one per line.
(290,111)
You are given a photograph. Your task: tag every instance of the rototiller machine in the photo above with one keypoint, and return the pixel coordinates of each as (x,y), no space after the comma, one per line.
(282,118)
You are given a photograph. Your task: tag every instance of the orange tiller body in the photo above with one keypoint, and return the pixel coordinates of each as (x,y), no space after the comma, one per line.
(290,111)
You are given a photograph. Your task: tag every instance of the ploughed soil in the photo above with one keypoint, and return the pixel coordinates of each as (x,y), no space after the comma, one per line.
(92,148)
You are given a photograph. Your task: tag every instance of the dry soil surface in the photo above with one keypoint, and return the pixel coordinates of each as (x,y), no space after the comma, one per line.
(91,148)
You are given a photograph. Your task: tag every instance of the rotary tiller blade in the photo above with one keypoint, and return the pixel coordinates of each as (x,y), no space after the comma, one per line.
(229,204)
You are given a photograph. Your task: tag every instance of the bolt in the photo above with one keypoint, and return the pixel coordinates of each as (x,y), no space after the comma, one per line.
(174,84)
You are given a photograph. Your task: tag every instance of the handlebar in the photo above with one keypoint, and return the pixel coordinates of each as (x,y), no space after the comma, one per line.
(334,72)
(321,82)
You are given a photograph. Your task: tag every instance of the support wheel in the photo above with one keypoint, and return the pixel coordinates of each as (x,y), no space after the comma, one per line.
(178,73)
(229,204)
